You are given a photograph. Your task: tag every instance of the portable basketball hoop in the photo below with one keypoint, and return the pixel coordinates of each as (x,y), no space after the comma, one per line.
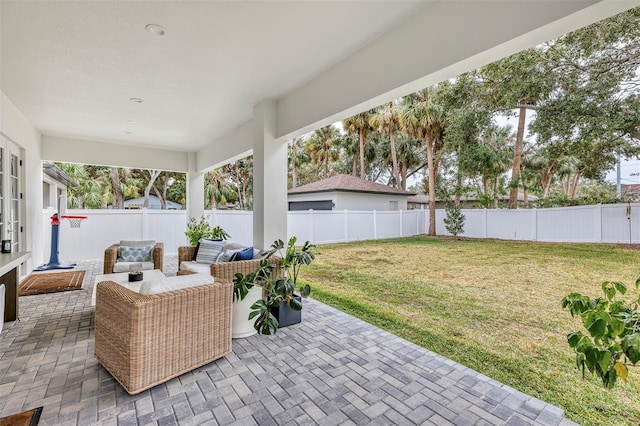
(74,221)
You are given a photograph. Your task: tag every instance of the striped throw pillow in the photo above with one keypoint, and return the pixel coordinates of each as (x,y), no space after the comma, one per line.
(209,251)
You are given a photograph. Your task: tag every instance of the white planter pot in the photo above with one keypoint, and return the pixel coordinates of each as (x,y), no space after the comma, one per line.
(242,326)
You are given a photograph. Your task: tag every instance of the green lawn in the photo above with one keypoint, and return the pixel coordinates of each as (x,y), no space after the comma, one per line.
(493,306)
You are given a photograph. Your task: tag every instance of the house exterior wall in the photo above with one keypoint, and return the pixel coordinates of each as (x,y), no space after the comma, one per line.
(356,201)
(17,128)
(365,201)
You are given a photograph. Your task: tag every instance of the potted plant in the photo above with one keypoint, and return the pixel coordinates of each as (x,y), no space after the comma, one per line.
(201,228)
(279,305)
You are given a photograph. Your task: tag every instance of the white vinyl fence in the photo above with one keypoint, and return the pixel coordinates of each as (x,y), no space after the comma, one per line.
(611,223)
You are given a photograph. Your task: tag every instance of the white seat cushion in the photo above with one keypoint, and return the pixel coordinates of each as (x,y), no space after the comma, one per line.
(193,266)
(124,266)
(175,283)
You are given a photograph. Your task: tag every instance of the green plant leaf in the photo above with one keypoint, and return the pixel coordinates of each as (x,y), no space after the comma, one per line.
(305,290)
(622,289)
(597,328)
(631,347)
(574,338)
(294,304)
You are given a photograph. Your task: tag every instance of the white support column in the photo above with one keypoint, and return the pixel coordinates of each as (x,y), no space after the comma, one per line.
(269,177)
(195,189)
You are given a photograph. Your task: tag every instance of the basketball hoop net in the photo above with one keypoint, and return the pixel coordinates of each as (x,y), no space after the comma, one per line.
(75,221)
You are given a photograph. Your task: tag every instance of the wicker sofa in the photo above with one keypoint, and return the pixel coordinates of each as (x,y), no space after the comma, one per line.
(227,270)
(146,340)
(111,257)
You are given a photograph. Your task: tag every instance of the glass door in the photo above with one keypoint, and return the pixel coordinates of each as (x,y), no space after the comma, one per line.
(10,194)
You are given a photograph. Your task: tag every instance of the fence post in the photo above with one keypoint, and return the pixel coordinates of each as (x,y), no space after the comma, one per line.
(599,223)
(346,225)
(400,223)
(311,238)
(535,224)
(485,223)
(417,221)
(145,223)
(375,226)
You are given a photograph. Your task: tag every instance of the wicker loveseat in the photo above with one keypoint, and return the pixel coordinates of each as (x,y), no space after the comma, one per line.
(227,270)
(146,340)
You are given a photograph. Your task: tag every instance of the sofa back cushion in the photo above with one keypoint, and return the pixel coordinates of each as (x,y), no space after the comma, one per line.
(134,243)
(175,283)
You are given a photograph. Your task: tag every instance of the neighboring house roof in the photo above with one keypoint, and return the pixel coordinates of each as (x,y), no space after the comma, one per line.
(56,173)
(424,198)
(154,203)
(347,183)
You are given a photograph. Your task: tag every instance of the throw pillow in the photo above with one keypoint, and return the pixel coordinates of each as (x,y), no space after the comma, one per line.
(229,253)
(246,254)
(175,283)
(195,252)
(209,251)
(135,254)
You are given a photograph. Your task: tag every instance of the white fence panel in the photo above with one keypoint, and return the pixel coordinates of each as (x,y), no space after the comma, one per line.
(167,227)
(328,227)
(569,224)
(621,223)
(608,223)
(511,224)
(298,225)
(238,224)
(475,223)
(388,224)
(360,225)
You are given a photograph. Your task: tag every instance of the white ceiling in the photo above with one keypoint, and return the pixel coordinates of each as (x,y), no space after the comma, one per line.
(71,67)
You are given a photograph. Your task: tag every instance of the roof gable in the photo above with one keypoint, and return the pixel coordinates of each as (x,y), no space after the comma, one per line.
(347,183)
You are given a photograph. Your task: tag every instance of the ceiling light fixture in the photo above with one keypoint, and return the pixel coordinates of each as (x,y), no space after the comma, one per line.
(155,29)
(128,132)
(136,100)
(131,121)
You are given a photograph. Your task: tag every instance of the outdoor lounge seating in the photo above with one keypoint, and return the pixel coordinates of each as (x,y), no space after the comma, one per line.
(146,340)
(223,270)
(113,263)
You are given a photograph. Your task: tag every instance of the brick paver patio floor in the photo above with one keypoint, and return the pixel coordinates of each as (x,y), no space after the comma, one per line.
(332,369)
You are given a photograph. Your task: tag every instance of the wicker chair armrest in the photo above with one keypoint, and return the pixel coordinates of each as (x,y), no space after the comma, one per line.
(228,270)
(110,258)
(158,256)
(185,253)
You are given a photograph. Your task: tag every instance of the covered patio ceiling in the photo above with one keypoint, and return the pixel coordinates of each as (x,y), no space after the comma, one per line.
(73,68)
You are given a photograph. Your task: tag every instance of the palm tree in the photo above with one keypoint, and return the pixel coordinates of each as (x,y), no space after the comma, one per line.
(423,118)
(323,147)
(359,125)
(297,157)
(386,120)
(217,188)
(123,184)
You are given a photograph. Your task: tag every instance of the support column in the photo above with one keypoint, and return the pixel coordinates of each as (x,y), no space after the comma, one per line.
(195,188)
(269,178)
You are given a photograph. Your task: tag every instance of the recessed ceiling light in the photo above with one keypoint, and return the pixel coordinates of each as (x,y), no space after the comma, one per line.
(136,100)
(155,29)
(128,132)
(131,121)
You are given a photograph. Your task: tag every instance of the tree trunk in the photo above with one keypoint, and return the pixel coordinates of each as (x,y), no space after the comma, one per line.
(432,188)
(576,182)
(458,187)
(403,176)
(153,175)
(354,166)
(361,155)
(517,157)
(118,196)
(394,159)
(294,175)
